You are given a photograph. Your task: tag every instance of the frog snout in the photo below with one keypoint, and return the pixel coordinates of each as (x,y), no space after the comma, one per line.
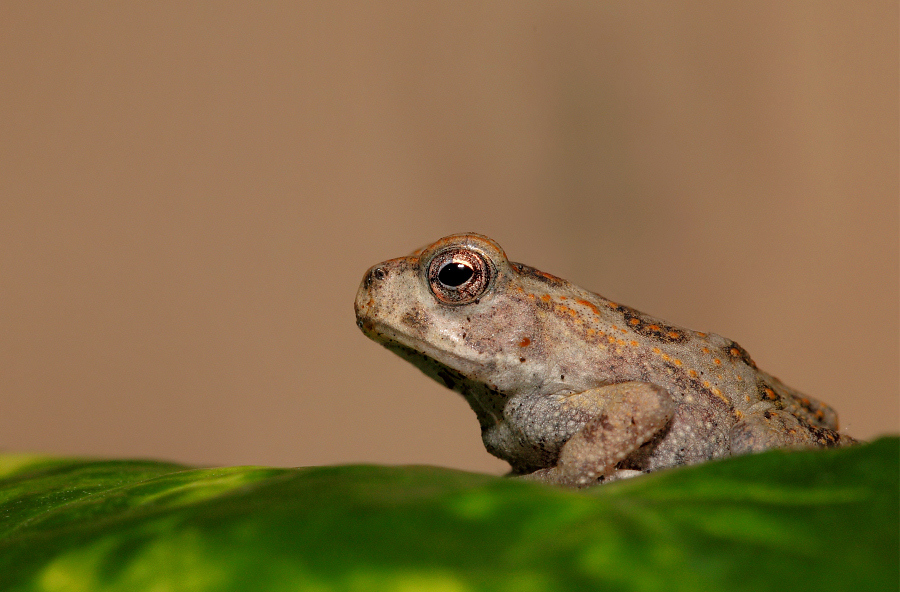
(368,289)
(386,292)
(365,297)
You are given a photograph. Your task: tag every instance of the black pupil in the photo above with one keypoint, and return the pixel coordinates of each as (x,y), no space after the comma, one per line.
(455,274)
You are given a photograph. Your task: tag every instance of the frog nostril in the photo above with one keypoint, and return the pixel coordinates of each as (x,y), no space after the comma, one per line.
(375,274)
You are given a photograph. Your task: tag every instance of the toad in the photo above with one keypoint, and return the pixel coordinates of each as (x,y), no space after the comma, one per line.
(572,388)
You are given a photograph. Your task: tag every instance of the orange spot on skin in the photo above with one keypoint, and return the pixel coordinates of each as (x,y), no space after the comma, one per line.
(674,334)
(717,361)
(770,394)
(666,357)
(633,343)
(590,331)
(525,342)
(701,334)
(563,298)
(692,373)
(738,414)
(653,328)
(612,305)
(733,351)
(565,309)
(611,339)
(706,383)
(590,305)
(656,350)
(634,321)
(677,362)
(719,394)
(705,350)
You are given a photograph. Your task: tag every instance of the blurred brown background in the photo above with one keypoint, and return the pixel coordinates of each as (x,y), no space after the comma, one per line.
(191,192)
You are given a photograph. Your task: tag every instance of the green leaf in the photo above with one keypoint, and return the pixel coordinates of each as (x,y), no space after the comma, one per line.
(810,520)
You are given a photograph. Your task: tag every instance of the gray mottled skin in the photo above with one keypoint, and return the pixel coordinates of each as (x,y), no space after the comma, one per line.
(568,386)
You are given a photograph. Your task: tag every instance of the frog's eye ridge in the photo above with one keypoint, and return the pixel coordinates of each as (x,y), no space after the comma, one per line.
(459,276)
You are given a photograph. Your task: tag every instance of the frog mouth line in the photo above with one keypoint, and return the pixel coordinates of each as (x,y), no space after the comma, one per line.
(438,364)
(422,354)
(424,351)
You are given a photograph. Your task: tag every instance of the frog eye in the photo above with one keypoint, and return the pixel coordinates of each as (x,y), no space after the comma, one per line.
(455,274)
(459,276)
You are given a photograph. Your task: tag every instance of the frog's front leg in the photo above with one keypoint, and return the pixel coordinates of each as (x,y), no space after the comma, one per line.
(623,417)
